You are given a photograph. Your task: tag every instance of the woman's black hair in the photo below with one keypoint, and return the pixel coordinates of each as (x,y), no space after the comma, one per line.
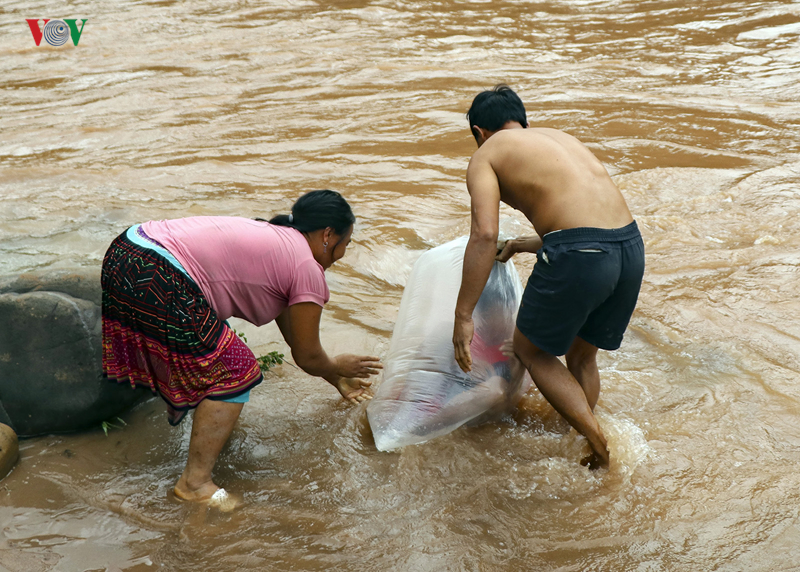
(318,210)
(494,108)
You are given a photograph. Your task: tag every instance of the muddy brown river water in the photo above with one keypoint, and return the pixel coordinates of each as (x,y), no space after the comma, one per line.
(167,109)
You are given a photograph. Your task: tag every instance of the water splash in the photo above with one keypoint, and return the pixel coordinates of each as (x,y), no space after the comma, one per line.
(626,443)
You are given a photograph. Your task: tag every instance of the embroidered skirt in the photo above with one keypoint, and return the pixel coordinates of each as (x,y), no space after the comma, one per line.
(159,330)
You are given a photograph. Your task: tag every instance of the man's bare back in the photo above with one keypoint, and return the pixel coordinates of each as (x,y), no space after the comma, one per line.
(549,176)
(582,295)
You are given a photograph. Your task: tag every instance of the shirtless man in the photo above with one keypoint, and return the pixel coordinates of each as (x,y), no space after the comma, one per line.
(590,257)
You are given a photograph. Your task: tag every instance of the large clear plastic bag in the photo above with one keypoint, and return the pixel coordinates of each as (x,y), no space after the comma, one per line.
(424,394)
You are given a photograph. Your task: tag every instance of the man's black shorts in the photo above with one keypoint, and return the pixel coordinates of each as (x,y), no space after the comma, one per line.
(585,283)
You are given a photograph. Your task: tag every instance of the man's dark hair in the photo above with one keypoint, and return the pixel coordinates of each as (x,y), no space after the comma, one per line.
(318,210)
(494,108)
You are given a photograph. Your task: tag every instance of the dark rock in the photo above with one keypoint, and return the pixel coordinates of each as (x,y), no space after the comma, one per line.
(84,284)
(50,356)
(9,449)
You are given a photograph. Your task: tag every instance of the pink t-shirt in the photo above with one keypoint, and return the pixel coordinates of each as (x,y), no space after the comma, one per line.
(246,268)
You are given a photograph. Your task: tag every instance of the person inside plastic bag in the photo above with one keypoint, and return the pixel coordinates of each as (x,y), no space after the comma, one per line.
(493,346)
(424,394)
(590,257)
(499,373)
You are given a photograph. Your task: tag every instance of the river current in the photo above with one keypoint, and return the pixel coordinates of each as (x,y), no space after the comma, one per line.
(168,109)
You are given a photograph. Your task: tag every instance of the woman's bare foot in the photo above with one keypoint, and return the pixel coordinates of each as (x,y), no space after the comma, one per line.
(202,493)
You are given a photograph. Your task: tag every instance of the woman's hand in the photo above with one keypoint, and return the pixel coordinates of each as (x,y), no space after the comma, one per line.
(354,390)
(353,372)
(349,365)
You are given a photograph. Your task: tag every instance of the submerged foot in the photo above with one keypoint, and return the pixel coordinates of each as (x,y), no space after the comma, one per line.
(208,493)
(594,462)
(202,493)
(600,456)
(598,459)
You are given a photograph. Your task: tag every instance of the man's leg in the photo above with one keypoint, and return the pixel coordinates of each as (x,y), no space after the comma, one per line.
(212,425)
(582,364)
(565,394)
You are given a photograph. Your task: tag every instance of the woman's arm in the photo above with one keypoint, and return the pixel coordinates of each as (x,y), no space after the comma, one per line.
(299,325)
(285,326)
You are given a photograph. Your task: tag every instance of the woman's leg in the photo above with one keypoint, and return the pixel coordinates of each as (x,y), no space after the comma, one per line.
(211,427)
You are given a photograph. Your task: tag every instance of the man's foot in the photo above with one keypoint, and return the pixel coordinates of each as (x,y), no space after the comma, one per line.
(598,459)
(594,462)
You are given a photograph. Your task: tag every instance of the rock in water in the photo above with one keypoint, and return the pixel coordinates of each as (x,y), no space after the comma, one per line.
(9,449)
(50,356)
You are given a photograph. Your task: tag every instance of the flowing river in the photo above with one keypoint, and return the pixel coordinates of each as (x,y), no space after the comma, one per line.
(168,109)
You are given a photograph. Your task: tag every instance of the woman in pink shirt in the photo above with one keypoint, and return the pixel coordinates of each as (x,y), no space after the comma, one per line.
(169,286)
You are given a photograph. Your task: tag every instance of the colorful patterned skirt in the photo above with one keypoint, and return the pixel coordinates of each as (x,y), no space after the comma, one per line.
(159,330)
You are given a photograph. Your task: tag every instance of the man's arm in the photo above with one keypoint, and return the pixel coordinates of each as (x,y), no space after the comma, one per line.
(517,245)
(484,191)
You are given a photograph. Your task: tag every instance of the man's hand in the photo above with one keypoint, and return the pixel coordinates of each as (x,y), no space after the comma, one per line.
(509,250)
(349,365)
(355,390)
(463,330)
(516,245)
